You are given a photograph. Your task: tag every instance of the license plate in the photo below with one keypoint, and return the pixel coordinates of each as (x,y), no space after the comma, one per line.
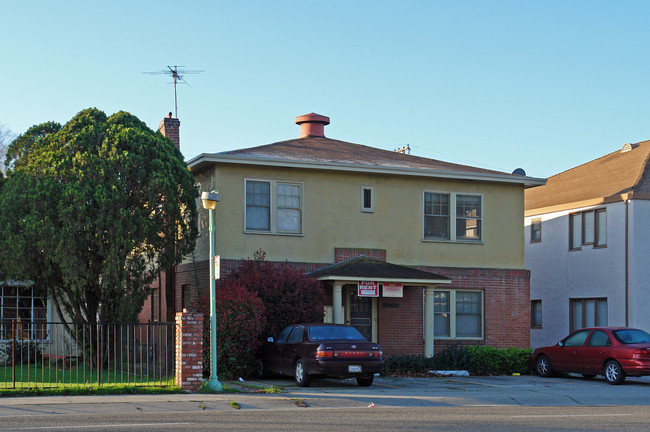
(354,368)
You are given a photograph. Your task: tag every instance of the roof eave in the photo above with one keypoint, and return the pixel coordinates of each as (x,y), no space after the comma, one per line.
(203,160)
(376,279)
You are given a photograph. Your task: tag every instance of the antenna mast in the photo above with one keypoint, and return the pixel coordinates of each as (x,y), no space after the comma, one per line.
(177,75)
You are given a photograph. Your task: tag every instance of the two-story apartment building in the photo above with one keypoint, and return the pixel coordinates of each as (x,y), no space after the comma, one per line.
(442,243)
(587,247)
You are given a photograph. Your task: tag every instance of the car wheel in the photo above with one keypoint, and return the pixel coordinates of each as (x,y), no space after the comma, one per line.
(614,372)
(302,377)
(543,366)
(262,371)
(589,376)
(365,381)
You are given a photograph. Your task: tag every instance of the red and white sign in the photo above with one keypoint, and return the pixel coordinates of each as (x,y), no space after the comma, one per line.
(368,289)
(393,290)
(217,266)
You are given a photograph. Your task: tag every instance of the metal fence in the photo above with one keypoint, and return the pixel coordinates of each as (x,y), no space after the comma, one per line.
(39,354)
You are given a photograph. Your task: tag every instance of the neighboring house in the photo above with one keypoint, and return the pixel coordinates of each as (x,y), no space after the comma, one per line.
(442,244)
(587,246)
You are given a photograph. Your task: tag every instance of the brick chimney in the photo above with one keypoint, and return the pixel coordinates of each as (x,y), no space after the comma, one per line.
(312,125)
(169,127)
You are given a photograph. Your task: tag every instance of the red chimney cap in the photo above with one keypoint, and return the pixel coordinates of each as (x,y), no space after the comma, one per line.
(312,124)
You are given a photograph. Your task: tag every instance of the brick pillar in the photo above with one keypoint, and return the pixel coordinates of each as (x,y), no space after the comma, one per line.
(189,350)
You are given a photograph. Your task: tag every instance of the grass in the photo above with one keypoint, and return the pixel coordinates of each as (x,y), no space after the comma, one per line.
(48,379)
(235,405)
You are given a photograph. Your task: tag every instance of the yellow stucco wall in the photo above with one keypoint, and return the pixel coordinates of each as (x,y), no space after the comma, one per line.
(332,218)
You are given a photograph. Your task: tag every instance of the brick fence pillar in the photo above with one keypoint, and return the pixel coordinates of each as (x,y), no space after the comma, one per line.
(189,350)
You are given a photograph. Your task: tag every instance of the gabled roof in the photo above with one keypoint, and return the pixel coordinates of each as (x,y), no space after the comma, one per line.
(622,174)
(325,153)
(364,268)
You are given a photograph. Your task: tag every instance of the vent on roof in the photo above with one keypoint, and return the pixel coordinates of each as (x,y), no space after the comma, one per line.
(626,148)
(312,125)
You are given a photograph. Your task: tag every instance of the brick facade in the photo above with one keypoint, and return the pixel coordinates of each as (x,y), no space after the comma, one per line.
(400,321)
(189,350)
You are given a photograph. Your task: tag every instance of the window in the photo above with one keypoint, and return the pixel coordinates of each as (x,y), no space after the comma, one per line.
(273,207)
(577,339)
(588,228)
(27,308)
(367,199)
(536,313)
(452,217)
(536,230)
(588,312)
(186,293)
(155,305)
(599,339)
(458,314)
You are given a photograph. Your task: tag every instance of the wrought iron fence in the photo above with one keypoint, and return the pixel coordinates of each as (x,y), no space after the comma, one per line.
(39,354)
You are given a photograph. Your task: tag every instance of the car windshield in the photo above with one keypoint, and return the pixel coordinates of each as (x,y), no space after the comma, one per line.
(631,336)
(333,332)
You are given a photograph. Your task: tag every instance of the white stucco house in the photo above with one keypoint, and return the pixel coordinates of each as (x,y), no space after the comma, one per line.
(587,244)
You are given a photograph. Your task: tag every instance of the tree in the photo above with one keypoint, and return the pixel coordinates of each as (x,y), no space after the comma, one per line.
(92,210)
(5,138)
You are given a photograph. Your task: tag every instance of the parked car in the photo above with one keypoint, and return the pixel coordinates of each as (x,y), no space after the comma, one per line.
(614,352)
(321,350)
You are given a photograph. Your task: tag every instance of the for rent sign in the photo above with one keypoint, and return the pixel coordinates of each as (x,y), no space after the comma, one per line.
(368,289)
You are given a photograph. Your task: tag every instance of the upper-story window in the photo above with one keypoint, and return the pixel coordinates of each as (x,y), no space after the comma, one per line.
(452,216)
(273,207)
(588,228)
(367,199)
(536,230)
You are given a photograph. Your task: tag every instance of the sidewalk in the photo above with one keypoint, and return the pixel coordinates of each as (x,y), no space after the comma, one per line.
(333,394)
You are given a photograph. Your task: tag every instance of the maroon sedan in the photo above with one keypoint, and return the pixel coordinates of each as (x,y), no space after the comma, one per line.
(321,350)
(614,352)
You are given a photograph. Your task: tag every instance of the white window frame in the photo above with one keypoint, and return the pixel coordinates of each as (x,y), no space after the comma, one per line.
(370,209)
(31,296)
(273,223)
(453,315)
(453,217)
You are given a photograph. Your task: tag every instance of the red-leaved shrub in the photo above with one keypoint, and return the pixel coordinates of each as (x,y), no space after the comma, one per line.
(289,296)
(240,318)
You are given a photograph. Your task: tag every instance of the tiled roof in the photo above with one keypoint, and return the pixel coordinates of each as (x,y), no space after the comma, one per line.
(605,179)
(364,268)
(320,149)
(327,152)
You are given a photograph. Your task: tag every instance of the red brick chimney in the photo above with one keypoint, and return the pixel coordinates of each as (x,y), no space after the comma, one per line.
(169,127)
(312,125)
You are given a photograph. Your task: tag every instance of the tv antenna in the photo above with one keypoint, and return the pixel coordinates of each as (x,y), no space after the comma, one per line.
(177,75)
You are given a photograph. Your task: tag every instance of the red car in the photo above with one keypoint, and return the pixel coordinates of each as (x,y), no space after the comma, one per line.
(321,350)
(614,352)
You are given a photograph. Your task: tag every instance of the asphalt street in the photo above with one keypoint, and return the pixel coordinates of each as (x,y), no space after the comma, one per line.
(386,392)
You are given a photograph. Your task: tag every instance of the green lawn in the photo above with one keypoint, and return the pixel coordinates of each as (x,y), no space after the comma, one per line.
(53,376)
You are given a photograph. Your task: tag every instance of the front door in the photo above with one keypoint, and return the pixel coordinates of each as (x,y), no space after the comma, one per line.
(360,313)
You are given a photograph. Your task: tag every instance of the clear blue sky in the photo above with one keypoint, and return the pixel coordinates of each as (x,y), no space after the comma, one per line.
(542,85)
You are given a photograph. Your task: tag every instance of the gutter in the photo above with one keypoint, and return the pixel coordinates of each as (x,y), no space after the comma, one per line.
(627,264)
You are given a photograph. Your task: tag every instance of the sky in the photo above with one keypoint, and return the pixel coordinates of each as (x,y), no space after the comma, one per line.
(539,85)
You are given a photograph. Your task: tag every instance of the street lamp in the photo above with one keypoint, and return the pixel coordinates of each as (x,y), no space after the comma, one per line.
(209,202)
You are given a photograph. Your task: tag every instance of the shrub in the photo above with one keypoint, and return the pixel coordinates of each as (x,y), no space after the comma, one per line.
(289,296)
(240,318)
(254,302)
(25,351)
(478,360)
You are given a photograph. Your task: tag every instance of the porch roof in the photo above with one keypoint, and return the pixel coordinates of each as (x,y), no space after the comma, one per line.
(364,268)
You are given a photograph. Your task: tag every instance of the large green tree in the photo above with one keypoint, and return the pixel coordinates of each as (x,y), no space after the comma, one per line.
(90,212)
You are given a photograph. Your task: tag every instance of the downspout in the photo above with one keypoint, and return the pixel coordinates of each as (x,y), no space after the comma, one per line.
(627,264)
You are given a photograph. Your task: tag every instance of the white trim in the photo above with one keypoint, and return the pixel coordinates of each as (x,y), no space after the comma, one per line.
(337,166)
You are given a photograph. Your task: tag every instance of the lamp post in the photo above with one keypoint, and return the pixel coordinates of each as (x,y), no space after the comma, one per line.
(209,201)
